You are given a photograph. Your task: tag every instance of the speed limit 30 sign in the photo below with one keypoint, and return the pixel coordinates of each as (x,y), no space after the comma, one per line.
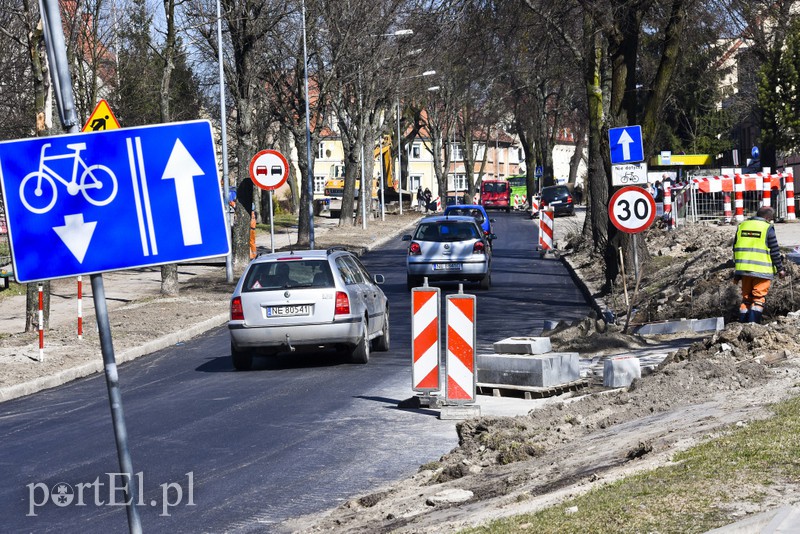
(632,209)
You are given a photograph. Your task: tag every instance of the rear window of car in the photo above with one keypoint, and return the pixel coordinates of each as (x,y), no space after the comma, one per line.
(288,274)
(495,187)
(469,212)
(550,193)
(447,231)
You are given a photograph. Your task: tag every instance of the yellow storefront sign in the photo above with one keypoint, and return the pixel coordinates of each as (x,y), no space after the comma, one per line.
(101,119)
(697,160)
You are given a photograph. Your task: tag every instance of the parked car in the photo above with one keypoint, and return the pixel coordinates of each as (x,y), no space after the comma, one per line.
(475,211)
(559,198)
(449,248)
(307,300)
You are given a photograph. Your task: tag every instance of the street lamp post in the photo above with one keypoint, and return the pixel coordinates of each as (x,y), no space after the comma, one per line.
(223,132)
(309,170)
(400,139)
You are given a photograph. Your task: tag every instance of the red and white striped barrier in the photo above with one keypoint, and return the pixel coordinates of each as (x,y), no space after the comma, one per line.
(738,197)
(766,191)
(534,205)
(41,323)
(668,213)
(80,307)
(726,206)
(425,313)
(460,361)
(546,229)
(790,214)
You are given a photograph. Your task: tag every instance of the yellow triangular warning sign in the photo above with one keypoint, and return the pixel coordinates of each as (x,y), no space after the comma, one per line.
(102,118)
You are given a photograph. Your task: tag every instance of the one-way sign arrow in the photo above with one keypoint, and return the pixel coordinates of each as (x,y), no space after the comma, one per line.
(625,144)
(76,234)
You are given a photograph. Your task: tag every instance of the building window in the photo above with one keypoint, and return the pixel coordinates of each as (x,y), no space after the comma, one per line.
(416,181)
(456,152)
(319,184)
(321,151)
(457,182)
(416,151)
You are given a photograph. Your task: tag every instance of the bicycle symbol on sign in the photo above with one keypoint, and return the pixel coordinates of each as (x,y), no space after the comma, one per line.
(629,176)
(97,183)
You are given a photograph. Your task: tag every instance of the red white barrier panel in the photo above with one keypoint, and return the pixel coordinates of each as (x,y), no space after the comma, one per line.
(668,213)
(41,323)
(726,206)
(534,205)
(425,312)
(790,214)
(738,197)
(546,229)
(460,361)
(80,307)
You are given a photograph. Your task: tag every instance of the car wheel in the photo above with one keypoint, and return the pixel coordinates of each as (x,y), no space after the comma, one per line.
(360,353)
(242,361)
(381,343)
(486,281)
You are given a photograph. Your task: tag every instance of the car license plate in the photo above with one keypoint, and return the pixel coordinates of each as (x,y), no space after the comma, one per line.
(289,311)
(446,266)
(556,202)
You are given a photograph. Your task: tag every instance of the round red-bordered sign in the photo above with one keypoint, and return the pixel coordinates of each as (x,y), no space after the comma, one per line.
(269,169)
(632,209)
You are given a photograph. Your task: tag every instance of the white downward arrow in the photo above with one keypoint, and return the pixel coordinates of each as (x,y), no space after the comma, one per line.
(182,168)
(625,140)
(76,234)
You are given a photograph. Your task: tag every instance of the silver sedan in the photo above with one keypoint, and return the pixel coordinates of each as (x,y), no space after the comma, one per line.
(449,248)
(307,299)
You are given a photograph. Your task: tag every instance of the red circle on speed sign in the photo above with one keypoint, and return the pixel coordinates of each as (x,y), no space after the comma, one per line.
(269,169)
(632,209)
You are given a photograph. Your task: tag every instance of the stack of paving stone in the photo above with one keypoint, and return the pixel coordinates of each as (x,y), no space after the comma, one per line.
(527,362)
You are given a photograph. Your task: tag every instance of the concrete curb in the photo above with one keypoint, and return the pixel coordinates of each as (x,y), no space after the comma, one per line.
(90,368)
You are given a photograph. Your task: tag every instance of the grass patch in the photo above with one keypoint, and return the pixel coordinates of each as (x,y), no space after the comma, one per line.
(691,495)
(281,221)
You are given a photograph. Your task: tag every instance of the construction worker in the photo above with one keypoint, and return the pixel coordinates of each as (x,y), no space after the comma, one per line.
(253,250)
(756,258)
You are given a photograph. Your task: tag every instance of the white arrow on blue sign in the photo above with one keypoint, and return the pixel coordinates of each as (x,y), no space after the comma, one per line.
(116,199)
(626,144)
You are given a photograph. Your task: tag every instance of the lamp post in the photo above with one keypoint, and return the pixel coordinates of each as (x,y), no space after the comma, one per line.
(309,170)
(223,131)
(400,139)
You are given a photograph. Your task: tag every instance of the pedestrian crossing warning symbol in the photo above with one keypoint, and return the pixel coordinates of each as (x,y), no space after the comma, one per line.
(101,119)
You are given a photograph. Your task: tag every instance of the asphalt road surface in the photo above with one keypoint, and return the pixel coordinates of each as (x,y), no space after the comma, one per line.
(218,450)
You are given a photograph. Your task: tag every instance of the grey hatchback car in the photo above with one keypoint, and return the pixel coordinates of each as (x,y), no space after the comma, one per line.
(449,248)
(308,299)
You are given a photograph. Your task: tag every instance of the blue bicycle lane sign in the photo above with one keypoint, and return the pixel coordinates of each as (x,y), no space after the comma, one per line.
(93,202)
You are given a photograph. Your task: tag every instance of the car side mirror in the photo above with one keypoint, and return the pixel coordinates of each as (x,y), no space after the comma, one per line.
(378,278)
(492,220)
(407,237)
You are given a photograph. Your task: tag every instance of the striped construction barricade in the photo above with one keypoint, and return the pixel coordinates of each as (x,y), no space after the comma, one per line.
(425,313)
(546,217)
(460,361)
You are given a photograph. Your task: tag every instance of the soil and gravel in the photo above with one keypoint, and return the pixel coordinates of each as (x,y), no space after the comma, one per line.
(511,465)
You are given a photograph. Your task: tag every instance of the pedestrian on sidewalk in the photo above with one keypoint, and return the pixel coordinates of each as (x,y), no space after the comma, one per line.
(756,258)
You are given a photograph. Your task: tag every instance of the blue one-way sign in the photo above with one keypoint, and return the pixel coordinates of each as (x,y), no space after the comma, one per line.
(117,199)
(626,144)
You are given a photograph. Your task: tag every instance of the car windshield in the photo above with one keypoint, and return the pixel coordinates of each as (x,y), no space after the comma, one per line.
(288,274)
(447,231)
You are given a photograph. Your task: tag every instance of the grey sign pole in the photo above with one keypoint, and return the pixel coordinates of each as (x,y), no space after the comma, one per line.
(62,82)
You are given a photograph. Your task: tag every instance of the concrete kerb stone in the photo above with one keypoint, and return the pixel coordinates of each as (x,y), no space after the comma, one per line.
(620,371)
(713,324)
(89,368)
